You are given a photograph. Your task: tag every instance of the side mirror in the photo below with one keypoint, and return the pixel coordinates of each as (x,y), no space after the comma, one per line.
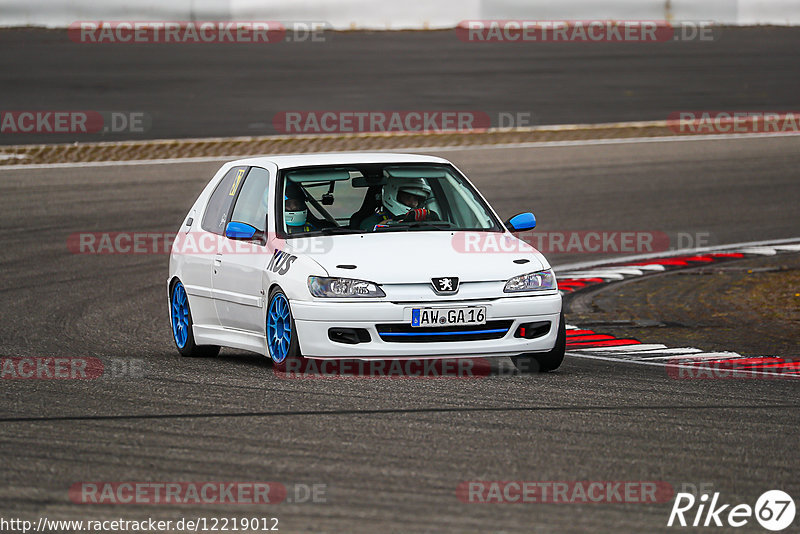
(239,230)
(521,222)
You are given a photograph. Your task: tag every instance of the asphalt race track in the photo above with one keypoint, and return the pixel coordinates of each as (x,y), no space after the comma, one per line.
(390,452)
(204,90)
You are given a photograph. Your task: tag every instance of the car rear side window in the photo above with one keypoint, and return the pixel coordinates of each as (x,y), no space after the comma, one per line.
(251,206)
(219,204)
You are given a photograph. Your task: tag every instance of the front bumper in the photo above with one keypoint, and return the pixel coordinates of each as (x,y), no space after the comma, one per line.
(313,319)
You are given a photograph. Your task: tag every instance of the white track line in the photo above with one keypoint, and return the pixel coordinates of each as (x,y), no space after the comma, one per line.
(633,271)
(577,275)
(652,353)
(132,162)
(652,267)
(623,348)
(702,356)
(762,251)
(489,146)
(589,142)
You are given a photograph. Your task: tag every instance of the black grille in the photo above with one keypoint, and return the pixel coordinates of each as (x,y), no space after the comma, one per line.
(405,333)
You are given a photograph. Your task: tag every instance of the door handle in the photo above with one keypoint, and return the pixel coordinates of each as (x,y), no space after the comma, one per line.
(217,260)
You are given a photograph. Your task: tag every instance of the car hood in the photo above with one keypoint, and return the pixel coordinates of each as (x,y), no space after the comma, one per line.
(416,257)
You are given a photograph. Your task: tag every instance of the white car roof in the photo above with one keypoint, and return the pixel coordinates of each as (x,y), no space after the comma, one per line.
(338,158)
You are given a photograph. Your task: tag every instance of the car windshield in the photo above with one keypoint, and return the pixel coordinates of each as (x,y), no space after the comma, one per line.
(380,198)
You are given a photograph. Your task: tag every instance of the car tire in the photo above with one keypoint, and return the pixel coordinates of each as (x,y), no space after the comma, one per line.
(282,343)
(542,362)
(181,321)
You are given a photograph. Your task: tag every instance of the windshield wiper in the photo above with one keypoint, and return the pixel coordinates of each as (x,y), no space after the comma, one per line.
(437,225)
(337,230)
(413,226)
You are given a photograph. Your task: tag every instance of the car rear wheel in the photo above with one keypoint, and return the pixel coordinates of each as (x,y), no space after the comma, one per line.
(541,362)
(181,319)
(282,342)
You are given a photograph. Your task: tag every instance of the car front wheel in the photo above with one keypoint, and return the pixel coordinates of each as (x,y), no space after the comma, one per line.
(282,342)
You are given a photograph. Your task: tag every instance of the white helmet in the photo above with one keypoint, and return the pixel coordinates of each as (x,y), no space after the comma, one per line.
(294,217)
(413,186)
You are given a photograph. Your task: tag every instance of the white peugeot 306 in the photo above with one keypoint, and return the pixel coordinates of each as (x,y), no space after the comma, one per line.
(359,256)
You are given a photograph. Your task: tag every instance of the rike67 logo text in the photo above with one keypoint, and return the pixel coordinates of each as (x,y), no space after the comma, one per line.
(774,510)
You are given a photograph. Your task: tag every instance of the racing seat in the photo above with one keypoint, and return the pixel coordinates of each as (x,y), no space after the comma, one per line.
(372,200)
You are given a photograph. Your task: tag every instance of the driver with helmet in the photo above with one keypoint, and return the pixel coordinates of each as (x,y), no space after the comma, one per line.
(401,199)
(295,212)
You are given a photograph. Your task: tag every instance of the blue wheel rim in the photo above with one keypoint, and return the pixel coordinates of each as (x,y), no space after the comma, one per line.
(180,315)
(279,328)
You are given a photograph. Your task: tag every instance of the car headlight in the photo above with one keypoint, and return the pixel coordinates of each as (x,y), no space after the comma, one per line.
(538,281)
(342,287)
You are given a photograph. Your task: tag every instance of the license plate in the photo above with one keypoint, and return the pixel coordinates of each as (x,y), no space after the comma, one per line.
(448,316)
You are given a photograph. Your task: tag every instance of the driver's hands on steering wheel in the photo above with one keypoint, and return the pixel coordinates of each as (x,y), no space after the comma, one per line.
(421,214)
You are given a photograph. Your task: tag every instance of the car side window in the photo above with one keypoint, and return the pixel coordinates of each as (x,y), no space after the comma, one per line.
(219,204)
(251,206)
